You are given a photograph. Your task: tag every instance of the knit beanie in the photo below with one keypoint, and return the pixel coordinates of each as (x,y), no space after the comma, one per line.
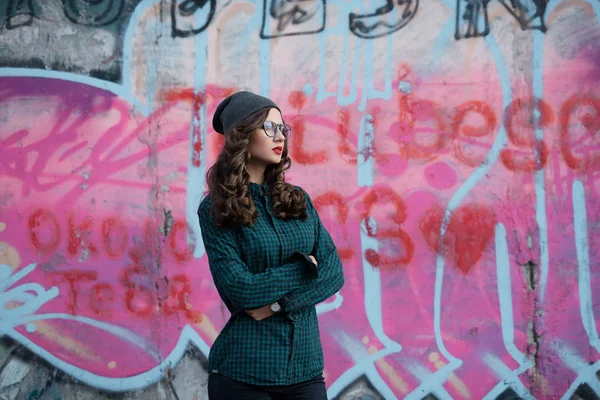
(236,107)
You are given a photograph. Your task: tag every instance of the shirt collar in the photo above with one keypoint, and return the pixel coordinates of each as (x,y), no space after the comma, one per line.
(257,188)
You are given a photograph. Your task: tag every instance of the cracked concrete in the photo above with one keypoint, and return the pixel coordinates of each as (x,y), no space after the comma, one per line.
(26,376)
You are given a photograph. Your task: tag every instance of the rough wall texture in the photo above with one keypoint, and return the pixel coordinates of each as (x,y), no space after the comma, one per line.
(452,149)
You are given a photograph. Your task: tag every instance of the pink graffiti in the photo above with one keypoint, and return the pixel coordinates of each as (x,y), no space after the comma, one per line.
(95,194)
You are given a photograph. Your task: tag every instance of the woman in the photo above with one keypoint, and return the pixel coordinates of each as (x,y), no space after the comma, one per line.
(270,257)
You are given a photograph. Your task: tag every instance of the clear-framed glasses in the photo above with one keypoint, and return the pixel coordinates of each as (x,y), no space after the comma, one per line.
(270,126)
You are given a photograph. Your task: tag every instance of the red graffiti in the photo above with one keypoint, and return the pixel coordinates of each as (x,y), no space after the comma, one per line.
(430,138)
(44,231)
(468,232)
(387,195)
(299,153)
(345,149)
(115,237)
(45,235)
(426,129)
(139,301)
(521,121)
(422,133)
(198,99)
(336,200)
(139,278)
(179,290)
(79,236)
(100,298)
(150,249)
(141,295)
(465,133)
(74,277)
(178,229)
(588,138)
(139,298)
(297,100)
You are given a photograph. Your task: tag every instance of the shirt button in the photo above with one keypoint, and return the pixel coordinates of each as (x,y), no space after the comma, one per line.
(294,316)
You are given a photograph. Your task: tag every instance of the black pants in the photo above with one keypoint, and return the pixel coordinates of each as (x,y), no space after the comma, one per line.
(221,387)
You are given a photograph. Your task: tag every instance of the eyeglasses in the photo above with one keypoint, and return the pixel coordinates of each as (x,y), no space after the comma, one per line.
(270,126)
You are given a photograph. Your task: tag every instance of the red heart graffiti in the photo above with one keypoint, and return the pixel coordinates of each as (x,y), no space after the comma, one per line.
(470,229)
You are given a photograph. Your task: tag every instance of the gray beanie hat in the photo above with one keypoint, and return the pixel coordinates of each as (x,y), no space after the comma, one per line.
(236,107)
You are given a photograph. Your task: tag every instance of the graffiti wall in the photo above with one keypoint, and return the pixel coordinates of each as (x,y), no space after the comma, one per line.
(452,149)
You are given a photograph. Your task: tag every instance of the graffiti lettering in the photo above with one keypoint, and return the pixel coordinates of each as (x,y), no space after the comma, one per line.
(59,139)
(292,17)
(301,155)
(184,16)
(45,235)
(472,16)
(211,94)
(180,229)
(409,139)
(370,26)
(115,237)
(474,124)
(93,13)
(79,236)
(580,131)
(287,13)
(44,231)
(100,298)
(345,148)
(335,199)
(521,118)
(139,299)
(406,247)
(77,184)
(74,278)
(19,13)
(464,134)
(289,17)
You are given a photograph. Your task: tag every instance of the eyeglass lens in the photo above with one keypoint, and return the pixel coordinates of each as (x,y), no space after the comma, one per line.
(270,127)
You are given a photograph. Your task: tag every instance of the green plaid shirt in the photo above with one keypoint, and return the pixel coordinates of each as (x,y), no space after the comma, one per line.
(253,267)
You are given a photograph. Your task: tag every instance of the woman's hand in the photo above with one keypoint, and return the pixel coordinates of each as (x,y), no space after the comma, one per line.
(260,313)
(314,260)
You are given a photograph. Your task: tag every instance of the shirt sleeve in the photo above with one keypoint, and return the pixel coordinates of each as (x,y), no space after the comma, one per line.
(330,273)
(243,289)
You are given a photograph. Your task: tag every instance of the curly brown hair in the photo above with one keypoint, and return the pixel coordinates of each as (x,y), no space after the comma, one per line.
(228,180)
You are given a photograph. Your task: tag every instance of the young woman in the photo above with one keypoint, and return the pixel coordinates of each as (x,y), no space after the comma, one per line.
(270,257)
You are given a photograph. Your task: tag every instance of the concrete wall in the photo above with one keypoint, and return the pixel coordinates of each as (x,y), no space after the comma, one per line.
(452,149)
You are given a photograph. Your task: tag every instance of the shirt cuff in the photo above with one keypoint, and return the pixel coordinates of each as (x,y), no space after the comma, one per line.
(310,265)
(288,302)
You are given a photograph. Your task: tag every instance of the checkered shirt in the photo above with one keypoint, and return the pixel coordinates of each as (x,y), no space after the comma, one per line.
(256,266)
